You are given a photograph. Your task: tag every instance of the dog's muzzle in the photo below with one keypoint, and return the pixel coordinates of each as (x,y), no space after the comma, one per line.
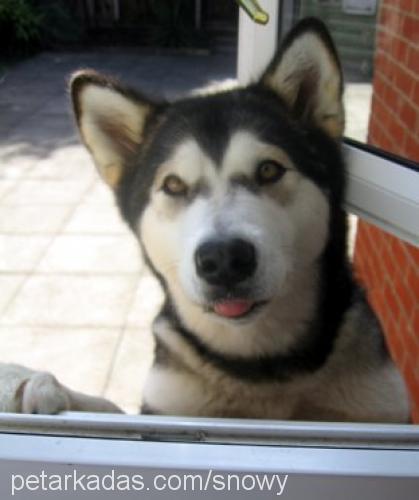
(225,263)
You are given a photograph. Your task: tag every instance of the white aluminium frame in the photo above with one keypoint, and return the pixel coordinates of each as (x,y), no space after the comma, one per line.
(324,460)
(383,192)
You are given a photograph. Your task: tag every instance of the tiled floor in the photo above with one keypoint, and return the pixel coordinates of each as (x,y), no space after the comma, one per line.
(75,298)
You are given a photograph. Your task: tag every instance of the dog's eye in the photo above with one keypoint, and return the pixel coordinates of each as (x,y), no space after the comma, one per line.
(174,186)
(269,171)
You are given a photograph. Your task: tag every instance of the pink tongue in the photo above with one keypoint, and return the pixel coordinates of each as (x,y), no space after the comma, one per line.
(232,308)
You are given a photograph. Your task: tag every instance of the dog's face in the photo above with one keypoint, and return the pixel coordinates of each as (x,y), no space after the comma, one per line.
(229,193)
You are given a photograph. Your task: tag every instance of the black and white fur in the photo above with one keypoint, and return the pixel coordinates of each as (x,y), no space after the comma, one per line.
(310,346)
(314,350)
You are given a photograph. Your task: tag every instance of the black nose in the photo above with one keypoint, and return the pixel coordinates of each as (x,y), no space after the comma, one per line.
(225,262)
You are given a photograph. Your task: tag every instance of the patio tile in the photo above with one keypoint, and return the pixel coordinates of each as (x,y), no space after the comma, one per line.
(44,192)
(69,163)
(9,284)
(130,369)
(21,253)
(147,302)
(99,219)
(5,186)
(100,254)
(31,219)
(100,194)
(15,166)
(79,358)
(85,301)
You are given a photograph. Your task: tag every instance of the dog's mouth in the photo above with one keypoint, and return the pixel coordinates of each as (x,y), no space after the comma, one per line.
(236,308)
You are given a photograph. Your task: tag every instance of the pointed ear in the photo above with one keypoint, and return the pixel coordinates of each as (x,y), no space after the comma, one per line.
(111,120)
(307,75)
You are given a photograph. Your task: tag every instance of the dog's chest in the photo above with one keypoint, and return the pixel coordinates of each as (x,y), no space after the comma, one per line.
(182,392)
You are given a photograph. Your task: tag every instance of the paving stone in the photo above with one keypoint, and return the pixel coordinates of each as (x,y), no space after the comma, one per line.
(33,219)
(80,358)
(20,253)
(86,300)
(9,285)
(131,366)
(91,254)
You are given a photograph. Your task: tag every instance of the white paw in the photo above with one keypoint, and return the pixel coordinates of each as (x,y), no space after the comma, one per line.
(43,394)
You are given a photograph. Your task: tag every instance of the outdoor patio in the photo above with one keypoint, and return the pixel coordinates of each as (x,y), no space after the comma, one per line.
(75,297)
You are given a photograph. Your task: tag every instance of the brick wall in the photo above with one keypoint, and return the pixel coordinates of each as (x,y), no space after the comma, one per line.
(389,267)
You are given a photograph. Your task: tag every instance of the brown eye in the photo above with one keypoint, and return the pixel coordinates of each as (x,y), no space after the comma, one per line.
(174,186)
(269,171)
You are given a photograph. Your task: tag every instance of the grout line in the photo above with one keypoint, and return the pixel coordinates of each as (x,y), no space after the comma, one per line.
(121,336)
(31,273)
(10,188)
(112,363)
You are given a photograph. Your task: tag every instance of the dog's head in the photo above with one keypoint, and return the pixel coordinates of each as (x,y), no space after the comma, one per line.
(230,193)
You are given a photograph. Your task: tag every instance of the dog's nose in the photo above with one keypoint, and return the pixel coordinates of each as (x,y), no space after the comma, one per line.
(225,262)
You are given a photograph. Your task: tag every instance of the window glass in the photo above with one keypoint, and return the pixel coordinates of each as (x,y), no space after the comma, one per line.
(75,297)
(378,46)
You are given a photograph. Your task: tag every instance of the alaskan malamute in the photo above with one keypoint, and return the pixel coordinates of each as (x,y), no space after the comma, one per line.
(236,199)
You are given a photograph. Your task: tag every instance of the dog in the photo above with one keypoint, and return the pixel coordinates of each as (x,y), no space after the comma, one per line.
(236,200)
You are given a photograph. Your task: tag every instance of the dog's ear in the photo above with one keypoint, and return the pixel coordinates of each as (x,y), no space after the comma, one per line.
(307,75)
(111,120)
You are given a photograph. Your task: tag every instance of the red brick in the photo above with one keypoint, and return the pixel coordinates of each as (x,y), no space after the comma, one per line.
(397,134)
(412,348)
(378,300)
(398,249)
(404,81)
(412,279)
(399,50)
(387,144)
(412,381)
(390,69)
(378,135)
(379,86)
(392,303)
(411,148)
(391,97)
(406,298)
(369,240)
(415,322)
(389,264)
(413,60)
(414,253)
(410,28)
(383,39)
(415,94)
(365,273)
(408,115)
(379,58)
(406,5)
(380,110)
(384,15)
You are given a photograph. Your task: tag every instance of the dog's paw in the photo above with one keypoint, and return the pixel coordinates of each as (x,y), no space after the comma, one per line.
(43,394)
